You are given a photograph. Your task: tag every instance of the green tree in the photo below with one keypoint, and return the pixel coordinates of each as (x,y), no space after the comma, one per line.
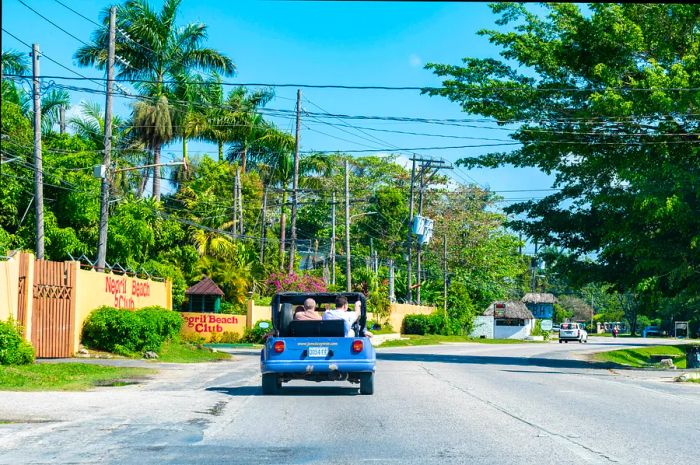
(604,101)
(158,53)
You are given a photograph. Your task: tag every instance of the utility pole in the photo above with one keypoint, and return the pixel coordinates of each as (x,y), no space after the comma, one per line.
(444,261)
(38,162)
(348,278)
(263,228)
(371,253)
(420,246)
(239,200)
(62,119)
(295,185)
(409,293)
(392,294)
(426,163)
(234,225)
(333,240)
(534,263)
(106,157)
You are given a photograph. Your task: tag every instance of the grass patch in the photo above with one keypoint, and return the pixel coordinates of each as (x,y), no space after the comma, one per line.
(183,352)
(66,376)
(644,357)
(433,339)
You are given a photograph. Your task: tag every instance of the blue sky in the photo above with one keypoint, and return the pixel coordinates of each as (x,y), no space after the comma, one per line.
(354,43)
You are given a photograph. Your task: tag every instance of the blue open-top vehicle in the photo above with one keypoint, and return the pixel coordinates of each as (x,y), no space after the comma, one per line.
(316,350)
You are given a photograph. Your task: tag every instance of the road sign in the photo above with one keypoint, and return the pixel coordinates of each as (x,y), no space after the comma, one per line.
(546,325)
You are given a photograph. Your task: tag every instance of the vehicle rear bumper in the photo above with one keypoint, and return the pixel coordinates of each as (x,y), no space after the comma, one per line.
(316,366)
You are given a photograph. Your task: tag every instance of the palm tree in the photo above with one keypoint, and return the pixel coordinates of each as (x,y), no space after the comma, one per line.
(157,53)
(13,62)
(153,126)
(90,125)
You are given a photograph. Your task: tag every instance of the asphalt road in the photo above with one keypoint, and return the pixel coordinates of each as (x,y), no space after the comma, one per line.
(449,404)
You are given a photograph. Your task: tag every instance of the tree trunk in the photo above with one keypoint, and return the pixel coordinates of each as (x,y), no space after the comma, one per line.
(283,227)
(156,172)
(184,148)
(144,181)
(244,156)
(221,150)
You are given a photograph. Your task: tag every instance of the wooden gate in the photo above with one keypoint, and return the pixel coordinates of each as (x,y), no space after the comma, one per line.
(52,315)
(22,292)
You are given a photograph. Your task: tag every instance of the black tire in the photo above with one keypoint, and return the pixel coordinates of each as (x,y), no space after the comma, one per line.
(270,384)
(566,342)
(560,341)
(367,384)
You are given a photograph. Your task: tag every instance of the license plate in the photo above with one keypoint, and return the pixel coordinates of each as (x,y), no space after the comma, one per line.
(318,351)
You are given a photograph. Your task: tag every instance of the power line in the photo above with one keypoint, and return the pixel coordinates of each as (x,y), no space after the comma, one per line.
(405,88)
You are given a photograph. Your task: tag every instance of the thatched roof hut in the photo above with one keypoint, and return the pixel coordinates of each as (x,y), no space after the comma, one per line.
(514,310)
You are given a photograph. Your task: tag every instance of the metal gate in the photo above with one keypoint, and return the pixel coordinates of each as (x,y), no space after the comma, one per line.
(52,318)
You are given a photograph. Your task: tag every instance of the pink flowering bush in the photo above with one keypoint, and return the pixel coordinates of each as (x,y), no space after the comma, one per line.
(283,282)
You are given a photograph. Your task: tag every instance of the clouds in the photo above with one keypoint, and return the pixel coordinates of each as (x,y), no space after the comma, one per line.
(414,61)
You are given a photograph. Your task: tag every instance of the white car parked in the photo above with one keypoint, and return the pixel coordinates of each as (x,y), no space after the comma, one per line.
(572,332)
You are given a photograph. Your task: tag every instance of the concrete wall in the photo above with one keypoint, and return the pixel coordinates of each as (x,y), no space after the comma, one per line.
(256,313)
(397,312)
(514,332)
(9,288)
(483,326)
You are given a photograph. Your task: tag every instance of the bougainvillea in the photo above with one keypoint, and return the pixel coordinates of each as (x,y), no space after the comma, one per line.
(292,282)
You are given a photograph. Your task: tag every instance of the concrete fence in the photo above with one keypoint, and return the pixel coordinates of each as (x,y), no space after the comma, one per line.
(51,300)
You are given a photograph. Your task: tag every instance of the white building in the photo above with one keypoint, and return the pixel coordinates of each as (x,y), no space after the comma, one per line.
(504,320)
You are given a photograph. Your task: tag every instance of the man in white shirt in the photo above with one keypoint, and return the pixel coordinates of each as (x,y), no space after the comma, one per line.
(341,313)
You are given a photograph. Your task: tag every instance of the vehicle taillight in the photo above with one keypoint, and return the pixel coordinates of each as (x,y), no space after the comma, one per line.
(357,345)
(279,346)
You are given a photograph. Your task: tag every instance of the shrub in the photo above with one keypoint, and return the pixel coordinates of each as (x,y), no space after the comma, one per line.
(229,337)
(255,334)
(435,323)
(14,350)
(127,331)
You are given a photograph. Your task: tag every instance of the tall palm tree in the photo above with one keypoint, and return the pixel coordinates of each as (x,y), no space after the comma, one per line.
(153,126)
(155,50)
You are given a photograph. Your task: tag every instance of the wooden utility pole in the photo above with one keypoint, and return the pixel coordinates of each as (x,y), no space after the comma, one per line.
(409,293)
(333,240)
(239,200)
(348,271)
(38,161)
(263,228)
(419,278)
(295,185)
(106,157)
(234,225)
(444,261)
(392,294)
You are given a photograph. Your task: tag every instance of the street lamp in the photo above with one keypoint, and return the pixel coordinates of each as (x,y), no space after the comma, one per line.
(361,214)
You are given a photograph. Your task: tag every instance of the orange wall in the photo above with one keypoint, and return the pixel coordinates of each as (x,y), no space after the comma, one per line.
(95,289)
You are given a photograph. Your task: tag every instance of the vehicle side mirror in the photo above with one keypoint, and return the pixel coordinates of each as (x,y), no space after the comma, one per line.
(263,325)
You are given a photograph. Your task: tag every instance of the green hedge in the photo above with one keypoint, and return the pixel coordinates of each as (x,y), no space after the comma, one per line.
(127,331)
(13,349)
(435,323)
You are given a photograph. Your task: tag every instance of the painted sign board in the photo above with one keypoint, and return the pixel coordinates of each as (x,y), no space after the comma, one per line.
(212,325)
(546,325)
